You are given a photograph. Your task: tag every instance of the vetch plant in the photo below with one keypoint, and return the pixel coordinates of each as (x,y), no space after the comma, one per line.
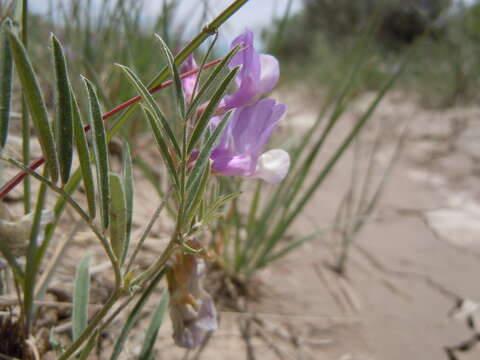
(210,134)
(212,142)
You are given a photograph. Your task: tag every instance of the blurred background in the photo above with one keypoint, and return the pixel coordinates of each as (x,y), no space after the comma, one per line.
(389,253)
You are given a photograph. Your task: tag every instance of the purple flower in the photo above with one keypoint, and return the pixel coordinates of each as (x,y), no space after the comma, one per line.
(239,151)
(258,75)
(192,309)
(188,83)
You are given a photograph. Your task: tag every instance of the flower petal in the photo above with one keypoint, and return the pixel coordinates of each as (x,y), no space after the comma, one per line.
(247,57)
(248,78)
(273,166)
(244,138)
(233,165)
(269,75)
(188,83)
(252,126)
(246,92)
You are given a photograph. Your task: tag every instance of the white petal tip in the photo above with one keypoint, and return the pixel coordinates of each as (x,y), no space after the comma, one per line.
(273,166)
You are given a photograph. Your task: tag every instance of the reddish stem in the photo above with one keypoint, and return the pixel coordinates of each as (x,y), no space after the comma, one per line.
(17,179)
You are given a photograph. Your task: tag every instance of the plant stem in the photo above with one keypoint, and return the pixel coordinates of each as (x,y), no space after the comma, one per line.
(91,326)
(207,31)
(25,119)
(31,267)
(158,265)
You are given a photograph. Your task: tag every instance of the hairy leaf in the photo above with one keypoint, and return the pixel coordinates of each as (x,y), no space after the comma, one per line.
(153,328)
(83,157)
(101,152)
(64,122)
(81,296)
(6,70)
(36,104)
(118,217)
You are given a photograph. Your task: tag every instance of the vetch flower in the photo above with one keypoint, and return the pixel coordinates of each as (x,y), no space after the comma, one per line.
(258,75)
(188,83)
(239,152)
(273,165)
(192,309)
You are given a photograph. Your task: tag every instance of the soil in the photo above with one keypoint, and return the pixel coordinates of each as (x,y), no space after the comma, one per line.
(418,253)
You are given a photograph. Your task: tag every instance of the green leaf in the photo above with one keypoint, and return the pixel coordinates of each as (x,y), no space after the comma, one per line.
(203,157)
(162,146)
(101,152)
(210,110)
(83,156)
(70,188)
(134,315)
(81,295)
(153,328)
(36,104)
(129,189)
(220,201)
(176,78)
(211,80)
(152,106)
(64,122)
(196,195)
(6,70)
(118,217)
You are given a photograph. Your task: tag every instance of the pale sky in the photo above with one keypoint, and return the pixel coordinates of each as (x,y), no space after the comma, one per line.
(254,14)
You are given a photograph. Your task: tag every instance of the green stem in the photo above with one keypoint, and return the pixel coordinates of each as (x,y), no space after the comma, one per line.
(31,267)
(91,326)
(207,30)
(27,204)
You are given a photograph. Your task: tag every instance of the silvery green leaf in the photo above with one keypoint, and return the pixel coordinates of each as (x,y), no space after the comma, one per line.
(36,104)
(63,119)
(81,296)
(101,152)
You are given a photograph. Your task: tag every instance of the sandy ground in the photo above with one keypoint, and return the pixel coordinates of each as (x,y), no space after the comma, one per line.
(418,253)
(411,261)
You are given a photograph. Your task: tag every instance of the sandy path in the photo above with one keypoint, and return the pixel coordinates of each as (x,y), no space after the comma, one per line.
(414,258)
(419,250)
